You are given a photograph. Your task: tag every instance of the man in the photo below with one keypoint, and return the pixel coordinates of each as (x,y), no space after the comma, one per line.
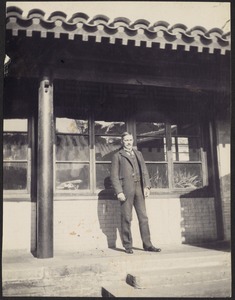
(131,183)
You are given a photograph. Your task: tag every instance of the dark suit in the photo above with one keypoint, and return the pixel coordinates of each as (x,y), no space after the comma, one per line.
(124,181)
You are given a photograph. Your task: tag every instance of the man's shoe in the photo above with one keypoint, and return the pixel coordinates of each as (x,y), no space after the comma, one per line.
(129,251)
(152,249)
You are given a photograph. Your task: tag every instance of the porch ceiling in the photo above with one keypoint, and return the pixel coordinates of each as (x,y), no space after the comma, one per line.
(100,27)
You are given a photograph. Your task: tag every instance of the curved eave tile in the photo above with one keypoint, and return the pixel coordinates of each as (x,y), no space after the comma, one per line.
(99,19)
(78,17)
(124,22)
(36,13)
(141,23)
(140,32)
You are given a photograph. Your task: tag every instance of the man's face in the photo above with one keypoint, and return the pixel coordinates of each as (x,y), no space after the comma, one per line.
(127,142)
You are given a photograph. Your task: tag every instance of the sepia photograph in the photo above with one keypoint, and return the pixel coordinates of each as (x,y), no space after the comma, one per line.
(116,149)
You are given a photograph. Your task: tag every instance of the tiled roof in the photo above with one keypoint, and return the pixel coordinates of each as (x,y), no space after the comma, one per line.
(141,32)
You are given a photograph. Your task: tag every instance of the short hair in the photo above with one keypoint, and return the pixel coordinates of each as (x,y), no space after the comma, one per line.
(126,133)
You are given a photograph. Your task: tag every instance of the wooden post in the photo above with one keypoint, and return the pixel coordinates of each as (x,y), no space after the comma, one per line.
(45,170)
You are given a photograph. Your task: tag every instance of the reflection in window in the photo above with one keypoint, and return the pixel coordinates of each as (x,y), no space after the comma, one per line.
(105,146)
(153,149)
(15,176)
(65,125)
(185,129)
(150,129)
(15,146)
(72,176)
(107,141)
(187,176)
(72,145)
(151,140)
(102,175)
(15,154)
(72,148)
(109,128)
(158,175)
(185,149)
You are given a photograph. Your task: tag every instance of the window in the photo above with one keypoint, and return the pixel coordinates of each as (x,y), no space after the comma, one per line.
(83,160)
(84,150)
(107,141)
(186,151)
(15,155)
(72,154)
(151,141)
(174,152)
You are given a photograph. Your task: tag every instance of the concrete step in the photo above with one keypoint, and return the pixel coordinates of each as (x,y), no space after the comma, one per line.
(151,279)
(82,275)
(220,288)
(55,283)
(199,281)
(121,266)
(77,286)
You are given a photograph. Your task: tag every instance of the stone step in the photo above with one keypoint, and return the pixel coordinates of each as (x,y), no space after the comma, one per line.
(217,288)
(127,264)
(170,262)
(151,279)
(84,277)
(77,286)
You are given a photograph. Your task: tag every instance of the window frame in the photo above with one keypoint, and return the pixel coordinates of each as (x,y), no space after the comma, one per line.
(19,193)
(130,126)
(93,191)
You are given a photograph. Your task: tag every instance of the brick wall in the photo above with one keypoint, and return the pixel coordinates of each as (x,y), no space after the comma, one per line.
(90,224)
(198,221)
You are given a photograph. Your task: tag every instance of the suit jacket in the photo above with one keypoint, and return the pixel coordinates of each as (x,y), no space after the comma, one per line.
(122,172)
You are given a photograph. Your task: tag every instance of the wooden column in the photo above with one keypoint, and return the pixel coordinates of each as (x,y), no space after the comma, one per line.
(45,170)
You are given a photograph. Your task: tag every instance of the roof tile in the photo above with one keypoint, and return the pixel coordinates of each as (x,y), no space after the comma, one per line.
(139,31)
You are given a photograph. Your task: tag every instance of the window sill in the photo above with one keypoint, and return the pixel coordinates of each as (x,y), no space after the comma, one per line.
(109,195)
(13,196)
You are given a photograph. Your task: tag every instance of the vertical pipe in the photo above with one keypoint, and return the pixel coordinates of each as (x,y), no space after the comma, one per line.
(216,182)
(45,171)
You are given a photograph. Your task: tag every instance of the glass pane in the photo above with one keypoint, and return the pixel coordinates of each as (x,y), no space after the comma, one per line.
(72,176)
(103,176)
(19,125)
(158,175)
(186,149)
(187,176)
(105,146)
(15,146)
(72,148)
(115,128)
(153,149)
(185,129)
(14,176)
(64,125)
(150,129)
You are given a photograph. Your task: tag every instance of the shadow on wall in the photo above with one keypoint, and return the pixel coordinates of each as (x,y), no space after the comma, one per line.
(109,213)
(198,217)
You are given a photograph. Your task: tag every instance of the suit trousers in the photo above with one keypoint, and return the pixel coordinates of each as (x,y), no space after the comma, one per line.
(134,198)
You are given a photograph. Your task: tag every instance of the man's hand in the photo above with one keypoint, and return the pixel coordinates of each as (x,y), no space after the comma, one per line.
(146,192)
(121,197)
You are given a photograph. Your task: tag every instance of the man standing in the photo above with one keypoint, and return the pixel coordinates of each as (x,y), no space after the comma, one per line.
(131,183)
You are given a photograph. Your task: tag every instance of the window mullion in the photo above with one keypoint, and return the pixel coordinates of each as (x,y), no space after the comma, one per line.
(29,156)
(92,154)
(203,156)
(169,155)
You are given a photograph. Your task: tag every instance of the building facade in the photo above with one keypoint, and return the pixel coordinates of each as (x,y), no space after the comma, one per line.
(73,86)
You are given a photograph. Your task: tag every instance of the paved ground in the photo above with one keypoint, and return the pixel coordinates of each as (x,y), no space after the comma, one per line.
(178,271)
